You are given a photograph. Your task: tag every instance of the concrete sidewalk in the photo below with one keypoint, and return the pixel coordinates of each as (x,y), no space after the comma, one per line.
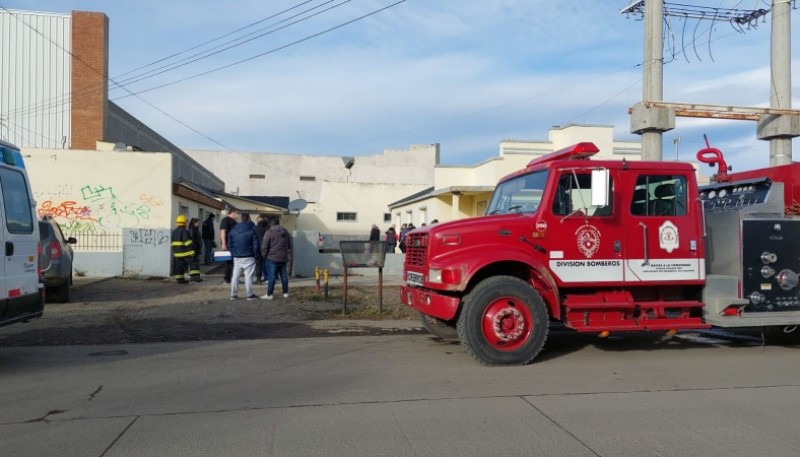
(215,272)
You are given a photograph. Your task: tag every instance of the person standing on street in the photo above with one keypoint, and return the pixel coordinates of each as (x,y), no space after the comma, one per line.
(391,240)
(182,251)
(197,245)
(243,244)
(375,233)
(275,249)
(208,239)
(225,226)
(261,264)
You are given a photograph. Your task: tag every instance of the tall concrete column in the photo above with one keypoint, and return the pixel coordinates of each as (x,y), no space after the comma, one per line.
(780,148)
(648,121)
(454,212)
(653,72)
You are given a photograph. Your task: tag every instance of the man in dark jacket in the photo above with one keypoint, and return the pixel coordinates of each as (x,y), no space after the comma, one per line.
(208,239)
(243,244)
(261,265)
(225,226)
(275,249)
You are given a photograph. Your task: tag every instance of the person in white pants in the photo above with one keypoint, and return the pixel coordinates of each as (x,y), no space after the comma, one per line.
(243,244)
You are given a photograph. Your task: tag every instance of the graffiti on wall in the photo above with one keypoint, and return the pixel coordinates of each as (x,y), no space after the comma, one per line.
(147,237)
(97,208)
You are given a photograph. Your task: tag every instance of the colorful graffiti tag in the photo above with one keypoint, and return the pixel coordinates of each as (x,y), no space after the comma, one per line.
(98,209)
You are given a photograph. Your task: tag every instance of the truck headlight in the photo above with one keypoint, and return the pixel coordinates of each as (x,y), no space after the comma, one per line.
(446,276)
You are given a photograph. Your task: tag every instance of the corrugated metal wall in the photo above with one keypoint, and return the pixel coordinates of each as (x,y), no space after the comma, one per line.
(35,78)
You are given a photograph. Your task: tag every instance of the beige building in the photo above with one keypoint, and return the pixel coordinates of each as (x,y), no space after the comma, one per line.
(464,191)
(342,195)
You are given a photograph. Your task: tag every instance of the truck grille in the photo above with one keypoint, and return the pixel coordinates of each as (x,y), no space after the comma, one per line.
(416,245)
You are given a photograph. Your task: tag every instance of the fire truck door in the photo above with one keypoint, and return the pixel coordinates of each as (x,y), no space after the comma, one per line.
(662,241)
(586,240)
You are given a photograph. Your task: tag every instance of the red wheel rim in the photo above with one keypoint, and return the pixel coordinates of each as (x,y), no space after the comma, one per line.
(507,323)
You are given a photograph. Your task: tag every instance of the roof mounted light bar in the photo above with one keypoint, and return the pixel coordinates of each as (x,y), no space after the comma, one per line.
(576,151)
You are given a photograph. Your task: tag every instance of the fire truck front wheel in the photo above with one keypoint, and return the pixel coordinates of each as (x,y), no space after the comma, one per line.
(503,322)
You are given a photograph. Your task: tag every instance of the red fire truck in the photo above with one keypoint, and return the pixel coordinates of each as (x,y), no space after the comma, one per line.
(610,246)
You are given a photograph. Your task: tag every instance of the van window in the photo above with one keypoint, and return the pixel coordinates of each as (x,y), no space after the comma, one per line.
(16,201)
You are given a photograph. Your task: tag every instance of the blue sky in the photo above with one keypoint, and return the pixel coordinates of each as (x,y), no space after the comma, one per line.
(465,74)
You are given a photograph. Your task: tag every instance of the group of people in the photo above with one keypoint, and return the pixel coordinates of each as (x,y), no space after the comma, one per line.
(261,249)
(258,251)
(392,238)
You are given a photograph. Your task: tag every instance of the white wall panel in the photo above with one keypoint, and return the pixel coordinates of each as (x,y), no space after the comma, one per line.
(35,78)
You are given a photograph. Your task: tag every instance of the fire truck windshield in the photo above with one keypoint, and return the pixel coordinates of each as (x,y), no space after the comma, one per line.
(519,195)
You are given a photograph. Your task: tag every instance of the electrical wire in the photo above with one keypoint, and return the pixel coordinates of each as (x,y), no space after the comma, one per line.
(271,51)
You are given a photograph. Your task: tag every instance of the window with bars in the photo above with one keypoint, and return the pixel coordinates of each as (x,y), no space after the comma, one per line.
(345,217)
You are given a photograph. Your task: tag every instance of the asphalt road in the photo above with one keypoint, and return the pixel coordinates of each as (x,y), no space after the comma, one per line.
(401,395)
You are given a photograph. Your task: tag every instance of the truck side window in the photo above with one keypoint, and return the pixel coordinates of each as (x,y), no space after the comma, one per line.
(574,194)
(659,195)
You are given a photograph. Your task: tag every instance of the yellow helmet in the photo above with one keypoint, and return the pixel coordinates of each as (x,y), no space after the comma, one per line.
(180,220)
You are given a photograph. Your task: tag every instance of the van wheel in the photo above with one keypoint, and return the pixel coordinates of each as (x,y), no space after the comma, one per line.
(503,322)
(438,327)
(61,294)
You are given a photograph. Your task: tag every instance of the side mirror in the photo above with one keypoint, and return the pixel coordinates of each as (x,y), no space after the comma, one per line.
(72,240)
(600,187)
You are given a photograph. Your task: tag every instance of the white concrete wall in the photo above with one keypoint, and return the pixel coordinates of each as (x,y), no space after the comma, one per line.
(106,192)
(101,191)
(366,188)
(561,137)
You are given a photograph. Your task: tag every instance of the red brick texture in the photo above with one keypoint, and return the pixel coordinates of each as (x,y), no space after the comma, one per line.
(89,78)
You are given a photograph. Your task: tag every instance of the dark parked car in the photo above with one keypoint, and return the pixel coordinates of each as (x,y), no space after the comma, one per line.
(56,260)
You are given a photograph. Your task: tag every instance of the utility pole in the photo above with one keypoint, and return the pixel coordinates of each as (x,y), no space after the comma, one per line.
(650,121)
(653,72)
(780,130)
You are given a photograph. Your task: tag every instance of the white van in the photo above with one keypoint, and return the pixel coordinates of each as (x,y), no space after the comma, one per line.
(21,288)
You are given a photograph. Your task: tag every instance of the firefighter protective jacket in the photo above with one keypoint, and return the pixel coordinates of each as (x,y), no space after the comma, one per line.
(181,243)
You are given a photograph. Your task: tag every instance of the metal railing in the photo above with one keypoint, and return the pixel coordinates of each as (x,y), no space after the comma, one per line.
(96,241)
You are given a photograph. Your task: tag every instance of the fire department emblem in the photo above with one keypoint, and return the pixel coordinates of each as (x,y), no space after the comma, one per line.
(588,240)
(541,225)
(668,237)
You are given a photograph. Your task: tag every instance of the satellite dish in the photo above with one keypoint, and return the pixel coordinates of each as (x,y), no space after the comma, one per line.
(297,205)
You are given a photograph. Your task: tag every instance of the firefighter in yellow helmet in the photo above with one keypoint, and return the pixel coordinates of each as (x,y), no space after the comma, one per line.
(183,253)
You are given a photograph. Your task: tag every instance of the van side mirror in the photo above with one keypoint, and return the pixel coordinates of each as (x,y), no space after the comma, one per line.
(72,240)
(600,187)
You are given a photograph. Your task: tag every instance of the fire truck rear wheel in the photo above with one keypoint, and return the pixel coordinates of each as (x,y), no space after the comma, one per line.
(503,321)
(438,327)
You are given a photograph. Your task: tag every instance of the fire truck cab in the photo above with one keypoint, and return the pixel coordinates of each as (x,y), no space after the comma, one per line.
(600,246)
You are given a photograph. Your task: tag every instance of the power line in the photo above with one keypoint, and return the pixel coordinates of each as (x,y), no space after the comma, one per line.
(104,76)
(271,51)
(64,99)
(252,24)
(208,53)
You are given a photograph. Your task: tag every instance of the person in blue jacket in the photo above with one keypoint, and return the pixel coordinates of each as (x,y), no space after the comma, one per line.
(243,244)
